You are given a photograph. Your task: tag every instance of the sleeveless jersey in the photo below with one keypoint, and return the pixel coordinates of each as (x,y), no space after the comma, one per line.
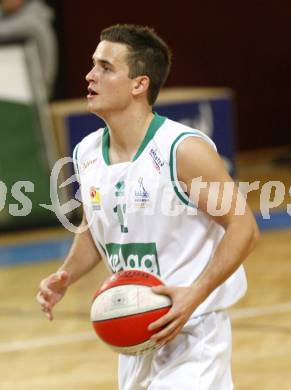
(140,217)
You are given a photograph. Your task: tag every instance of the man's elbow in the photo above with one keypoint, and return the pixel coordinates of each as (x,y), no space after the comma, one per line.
(254,235)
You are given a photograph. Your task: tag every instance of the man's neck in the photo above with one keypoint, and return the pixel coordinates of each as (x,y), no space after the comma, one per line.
(127,131)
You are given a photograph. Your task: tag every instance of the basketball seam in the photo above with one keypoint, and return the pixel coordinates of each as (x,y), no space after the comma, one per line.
(120,347)
(129,315)
(126,284)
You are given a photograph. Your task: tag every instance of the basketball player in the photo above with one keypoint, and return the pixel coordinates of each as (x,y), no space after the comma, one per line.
(147,196)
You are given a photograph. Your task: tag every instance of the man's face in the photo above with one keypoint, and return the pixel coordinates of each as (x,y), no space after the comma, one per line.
(109,85)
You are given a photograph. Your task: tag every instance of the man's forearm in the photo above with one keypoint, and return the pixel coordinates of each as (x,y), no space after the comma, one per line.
(83,256)
(236,244)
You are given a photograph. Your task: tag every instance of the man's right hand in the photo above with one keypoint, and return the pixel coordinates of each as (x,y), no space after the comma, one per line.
(51,291)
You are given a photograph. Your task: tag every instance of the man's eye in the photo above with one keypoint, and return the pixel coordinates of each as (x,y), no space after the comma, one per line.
(105,67)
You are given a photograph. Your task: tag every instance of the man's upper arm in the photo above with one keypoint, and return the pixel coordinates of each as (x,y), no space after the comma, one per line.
(208,184)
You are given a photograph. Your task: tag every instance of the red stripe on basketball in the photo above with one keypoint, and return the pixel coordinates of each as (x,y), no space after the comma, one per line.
(130,330)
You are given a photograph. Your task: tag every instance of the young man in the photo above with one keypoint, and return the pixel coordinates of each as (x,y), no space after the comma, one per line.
(146,190)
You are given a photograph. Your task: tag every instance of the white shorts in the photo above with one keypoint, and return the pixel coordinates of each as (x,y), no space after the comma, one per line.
(199,358)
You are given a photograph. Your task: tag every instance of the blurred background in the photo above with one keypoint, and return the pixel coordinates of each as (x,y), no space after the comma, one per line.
(230,78)
(242,45)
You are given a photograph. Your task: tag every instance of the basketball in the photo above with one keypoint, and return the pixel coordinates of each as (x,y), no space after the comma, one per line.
(123,308)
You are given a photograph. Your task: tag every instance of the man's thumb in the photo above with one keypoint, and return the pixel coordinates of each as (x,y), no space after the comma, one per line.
(161,290)
(63,276)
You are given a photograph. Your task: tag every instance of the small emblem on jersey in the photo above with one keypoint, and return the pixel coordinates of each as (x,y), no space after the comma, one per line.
(120,208)
(141,195)
(95,198)
(157,160)
(120,186)
(87,164)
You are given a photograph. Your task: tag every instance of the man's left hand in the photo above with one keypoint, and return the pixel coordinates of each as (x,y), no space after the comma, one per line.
(183,305)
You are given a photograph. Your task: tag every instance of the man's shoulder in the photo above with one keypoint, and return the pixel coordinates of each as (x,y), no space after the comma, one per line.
(175,128)
(92,142)
(172,131)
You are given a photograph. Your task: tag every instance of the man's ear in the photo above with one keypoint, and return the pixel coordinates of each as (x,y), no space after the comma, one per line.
(141,85)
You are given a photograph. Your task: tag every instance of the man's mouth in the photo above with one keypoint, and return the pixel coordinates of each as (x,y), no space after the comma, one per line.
(91,92)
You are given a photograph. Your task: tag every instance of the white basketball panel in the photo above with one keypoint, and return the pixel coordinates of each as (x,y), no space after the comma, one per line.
(121,301)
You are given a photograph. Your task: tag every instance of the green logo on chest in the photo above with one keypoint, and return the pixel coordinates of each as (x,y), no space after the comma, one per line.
(120,208)
(137,255)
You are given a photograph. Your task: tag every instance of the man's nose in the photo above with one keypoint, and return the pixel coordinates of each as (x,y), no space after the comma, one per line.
(91,76)
(88,76)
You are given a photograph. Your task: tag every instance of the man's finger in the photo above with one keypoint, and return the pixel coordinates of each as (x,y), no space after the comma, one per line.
(166,290)
(47,309)
(165,340)
(49,315)
(45,306)
(165,332)
(164,320)
(40,298)
(43,296)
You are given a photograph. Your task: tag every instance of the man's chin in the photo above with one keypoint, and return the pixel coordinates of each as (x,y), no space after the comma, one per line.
(93,109)
(91,106)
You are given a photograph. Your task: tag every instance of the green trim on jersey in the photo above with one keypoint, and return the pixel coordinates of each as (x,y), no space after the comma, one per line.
(173,171)
(102,247)
(155,124)
(105,146)
(75,159)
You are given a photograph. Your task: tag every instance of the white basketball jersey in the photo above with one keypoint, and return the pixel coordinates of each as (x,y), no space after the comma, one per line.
(140,217)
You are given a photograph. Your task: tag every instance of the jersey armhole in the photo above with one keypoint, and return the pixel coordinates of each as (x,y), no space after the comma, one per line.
(173,165)
(76,163)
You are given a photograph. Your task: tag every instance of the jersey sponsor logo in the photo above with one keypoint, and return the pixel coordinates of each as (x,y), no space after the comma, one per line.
(87,164)
(141,195)
(157,160)
(135,255)
(95,198)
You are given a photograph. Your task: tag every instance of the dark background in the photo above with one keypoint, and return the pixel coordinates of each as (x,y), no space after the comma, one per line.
(242,45)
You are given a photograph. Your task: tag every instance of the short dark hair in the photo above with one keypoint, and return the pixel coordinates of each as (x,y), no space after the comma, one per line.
(148,54)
